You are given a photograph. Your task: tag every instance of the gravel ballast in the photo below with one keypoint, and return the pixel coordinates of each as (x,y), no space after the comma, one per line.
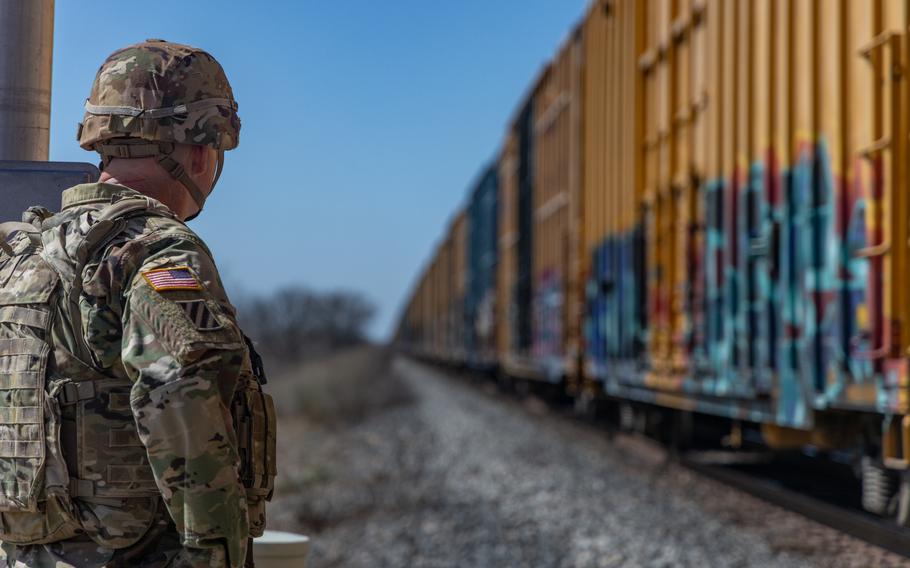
(463,476)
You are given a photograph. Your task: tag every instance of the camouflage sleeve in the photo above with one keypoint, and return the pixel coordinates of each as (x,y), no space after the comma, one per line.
(184,352)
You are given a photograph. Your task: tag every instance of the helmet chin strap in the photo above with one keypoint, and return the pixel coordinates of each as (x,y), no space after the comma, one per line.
(218,169)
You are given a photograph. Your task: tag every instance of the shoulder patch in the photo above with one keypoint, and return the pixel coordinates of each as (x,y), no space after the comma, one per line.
(200,315)
(172,278)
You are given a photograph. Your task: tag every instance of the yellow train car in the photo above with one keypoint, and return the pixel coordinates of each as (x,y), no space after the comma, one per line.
(556,290)
(613,211)
(458,270)
(760,156)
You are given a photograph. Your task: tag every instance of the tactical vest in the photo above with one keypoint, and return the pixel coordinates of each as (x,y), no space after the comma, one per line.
(71,461)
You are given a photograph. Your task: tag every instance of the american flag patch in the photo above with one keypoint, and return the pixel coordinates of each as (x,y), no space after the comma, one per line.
(177,278)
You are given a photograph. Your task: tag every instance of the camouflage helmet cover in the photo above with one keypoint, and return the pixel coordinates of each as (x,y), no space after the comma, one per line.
(163,92)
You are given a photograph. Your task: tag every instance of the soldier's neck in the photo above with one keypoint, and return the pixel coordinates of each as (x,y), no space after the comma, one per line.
(150,183)
(148,179)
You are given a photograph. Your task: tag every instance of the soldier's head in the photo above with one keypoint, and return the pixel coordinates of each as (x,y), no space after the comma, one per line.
(162,114)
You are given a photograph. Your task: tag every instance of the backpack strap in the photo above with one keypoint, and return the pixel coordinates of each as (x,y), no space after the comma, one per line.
(10,227)
(108,225)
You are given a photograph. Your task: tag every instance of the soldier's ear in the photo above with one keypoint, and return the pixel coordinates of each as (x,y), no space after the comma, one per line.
(199,160)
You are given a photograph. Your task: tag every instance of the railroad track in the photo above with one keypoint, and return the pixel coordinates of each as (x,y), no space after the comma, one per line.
(856,523)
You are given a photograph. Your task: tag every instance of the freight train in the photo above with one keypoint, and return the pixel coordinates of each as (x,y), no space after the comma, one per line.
(701,207)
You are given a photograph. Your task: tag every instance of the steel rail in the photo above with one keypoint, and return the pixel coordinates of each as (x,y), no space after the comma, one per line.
(863,526)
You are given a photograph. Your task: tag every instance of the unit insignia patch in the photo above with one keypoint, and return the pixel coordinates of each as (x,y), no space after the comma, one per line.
(176,278)
(200,315)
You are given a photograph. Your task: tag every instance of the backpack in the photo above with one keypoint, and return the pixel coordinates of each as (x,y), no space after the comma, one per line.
(71,461)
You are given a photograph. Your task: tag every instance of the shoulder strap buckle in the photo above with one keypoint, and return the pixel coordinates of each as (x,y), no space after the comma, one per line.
(73,392)
(81,488)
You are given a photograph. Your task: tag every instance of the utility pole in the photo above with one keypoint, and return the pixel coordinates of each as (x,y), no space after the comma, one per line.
(26,55)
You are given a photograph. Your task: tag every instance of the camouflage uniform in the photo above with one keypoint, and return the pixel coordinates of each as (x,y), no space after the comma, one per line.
(184,374)
(162,449)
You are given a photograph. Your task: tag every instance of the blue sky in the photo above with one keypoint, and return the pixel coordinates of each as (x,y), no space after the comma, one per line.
(363,122)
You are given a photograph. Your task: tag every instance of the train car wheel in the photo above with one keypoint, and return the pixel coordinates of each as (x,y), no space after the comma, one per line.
(903,500)
(880,487)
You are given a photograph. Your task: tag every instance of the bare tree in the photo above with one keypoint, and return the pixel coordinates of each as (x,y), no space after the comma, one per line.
(296,322)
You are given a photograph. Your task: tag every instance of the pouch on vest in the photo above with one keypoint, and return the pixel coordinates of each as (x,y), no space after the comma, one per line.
(254,420)
(34,505)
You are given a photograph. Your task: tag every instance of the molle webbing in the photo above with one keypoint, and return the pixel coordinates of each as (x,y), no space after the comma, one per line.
(23,364)
(24,316)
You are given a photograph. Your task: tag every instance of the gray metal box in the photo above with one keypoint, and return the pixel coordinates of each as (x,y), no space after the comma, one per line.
(23,184)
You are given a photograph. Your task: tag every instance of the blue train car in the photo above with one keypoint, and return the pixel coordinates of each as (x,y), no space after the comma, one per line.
(483,255)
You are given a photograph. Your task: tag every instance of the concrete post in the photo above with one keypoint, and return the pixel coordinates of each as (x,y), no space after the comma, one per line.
(26,53)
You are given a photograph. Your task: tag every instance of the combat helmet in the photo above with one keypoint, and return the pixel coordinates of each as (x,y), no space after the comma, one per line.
(151,96)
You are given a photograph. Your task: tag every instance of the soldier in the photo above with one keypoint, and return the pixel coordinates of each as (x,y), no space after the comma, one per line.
(151,443)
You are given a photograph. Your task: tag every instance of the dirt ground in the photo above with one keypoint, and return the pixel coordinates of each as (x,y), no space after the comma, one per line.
(384,462)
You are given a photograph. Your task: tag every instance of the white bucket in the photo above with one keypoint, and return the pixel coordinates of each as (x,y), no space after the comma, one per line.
(276,549)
